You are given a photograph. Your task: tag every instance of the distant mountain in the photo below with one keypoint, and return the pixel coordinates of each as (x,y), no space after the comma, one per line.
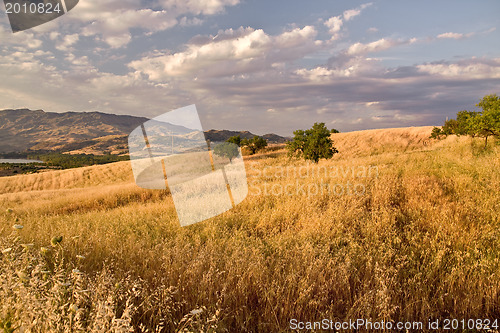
(223,135)
(24,130)
(274,138)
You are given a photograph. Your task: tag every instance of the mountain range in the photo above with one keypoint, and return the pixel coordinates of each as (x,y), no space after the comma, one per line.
(24,130)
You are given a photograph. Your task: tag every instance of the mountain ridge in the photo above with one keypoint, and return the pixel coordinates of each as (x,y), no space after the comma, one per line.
(25,130)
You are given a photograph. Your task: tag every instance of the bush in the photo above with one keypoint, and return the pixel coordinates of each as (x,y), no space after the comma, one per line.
(436,133)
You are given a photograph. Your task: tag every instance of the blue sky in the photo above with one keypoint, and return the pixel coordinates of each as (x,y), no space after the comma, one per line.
(263,66)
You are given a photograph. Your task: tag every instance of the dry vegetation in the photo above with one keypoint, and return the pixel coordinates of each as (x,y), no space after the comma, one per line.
(422,241)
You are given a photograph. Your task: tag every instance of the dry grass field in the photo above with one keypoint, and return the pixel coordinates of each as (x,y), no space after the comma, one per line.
(395,227)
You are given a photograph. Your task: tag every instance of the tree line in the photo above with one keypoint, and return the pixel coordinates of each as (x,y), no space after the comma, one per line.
(312,144)
(484,123)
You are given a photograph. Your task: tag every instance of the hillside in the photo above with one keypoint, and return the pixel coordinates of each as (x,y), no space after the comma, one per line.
(352,144)
(80,132)
(371,142)
(23,129)
(417,238)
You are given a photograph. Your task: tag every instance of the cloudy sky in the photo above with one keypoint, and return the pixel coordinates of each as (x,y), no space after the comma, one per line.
(264,66)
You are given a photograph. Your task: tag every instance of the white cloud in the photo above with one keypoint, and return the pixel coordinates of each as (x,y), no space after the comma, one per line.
(351,13)
(323,74)
(335,23)
(230,52)
(454,35)
(186,22)
(355,67)
(67,42)
(245,74)
(197,7)
(360,48)
(24,40)
(53,35)
(317,74)
(376,46)
(115,26)
(111,21)
(473,69)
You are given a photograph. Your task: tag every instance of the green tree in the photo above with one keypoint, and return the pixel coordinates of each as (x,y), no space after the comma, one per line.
(235,139)
(255,144)
(465,123)
(484,123)
(312,144)
(334,131)
(488,124)
(449,127)
(227,149)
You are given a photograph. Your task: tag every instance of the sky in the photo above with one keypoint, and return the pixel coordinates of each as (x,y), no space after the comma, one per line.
(264,66)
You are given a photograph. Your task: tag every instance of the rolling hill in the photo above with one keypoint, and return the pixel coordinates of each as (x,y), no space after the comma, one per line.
(24,130)
(417,238)
(368,143)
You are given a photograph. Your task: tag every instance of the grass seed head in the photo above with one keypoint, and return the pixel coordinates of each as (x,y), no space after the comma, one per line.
(56,240)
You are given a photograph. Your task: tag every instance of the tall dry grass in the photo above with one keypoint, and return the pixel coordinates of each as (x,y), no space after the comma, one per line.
(422,241)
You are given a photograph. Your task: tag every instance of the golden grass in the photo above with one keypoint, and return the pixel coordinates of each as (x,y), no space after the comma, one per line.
(92,176)
(422,241)
(372,142)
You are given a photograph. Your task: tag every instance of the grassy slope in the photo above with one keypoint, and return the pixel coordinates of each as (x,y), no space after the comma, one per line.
(422,241)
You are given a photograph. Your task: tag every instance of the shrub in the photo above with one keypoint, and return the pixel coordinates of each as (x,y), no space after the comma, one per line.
(436,133)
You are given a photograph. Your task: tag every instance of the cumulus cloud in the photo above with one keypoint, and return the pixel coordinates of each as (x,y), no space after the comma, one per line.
(264,82)
(472,69)
(376,46)
(335,23)
(25,40)
(115,26)
(67,42)
(351,13)
(230,52)
(111,21)
(355,67)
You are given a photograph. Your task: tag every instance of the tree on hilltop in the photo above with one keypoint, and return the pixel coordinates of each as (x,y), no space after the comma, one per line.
(235,139)
(255,144)
(227,149)
(312,144)
(484,123)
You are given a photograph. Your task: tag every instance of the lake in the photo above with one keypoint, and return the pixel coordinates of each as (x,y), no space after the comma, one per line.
(18,160)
